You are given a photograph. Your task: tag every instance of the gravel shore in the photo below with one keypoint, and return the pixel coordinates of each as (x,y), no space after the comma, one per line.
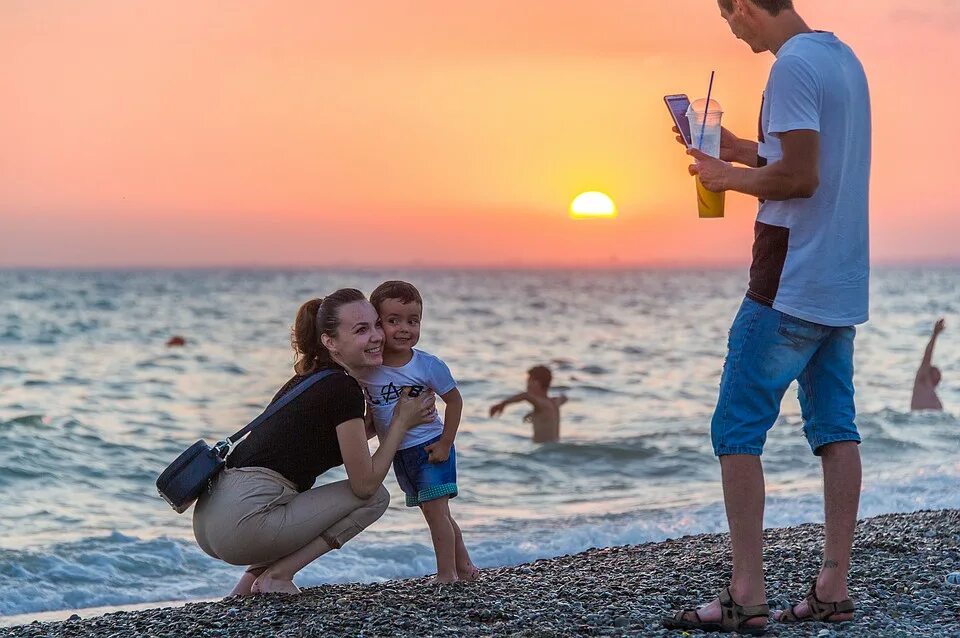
(898,585)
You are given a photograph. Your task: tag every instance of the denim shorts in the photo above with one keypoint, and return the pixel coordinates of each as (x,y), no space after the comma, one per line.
(421,480)
(767,351)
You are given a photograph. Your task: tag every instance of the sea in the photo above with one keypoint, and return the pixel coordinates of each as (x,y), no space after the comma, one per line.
(94,405)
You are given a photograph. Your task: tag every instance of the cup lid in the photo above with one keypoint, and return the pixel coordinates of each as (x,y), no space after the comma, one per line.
(699,107)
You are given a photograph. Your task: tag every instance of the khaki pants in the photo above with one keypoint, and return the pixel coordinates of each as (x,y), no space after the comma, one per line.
(254,516)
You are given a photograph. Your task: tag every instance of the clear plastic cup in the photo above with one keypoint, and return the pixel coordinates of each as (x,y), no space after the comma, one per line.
(696,113)
(706,137)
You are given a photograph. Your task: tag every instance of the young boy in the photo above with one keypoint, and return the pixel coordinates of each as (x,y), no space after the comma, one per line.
(546,410)
(425,464)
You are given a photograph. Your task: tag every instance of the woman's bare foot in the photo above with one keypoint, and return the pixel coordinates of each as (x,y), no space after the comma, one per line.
(244,585)
(468,572)
(268,585)
(443,580)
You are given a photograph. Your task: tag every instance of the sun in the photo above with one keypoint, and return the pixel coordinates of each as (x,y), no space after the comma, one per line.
(592,205)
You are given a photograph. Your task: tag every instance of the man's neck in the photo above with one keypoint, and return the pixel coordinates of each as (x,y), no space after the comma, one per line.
(783,27)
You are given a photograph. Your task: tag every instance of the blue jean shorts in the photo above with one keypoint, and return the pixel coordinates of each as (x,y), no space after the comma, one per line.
(767,351)
(421,480)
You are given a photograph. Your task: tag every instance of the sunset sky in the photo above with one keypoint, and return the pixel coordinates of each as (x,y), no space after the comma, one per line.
(421,132)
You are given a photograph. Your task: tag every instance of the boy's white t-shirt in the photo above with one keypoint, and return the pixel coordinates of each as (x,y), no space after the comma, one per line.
(382,387)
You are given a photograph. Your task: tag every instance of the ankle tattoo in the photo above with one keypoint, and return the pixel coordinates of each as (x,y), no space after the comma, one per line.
(830,564)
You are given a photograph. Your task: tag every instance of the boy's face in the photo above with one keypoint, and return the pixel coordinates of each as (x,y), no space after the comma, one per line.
(401,324)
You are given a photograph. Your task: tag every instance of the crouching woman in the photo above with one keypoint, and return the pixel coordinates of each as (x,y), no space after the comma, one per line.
(262,511)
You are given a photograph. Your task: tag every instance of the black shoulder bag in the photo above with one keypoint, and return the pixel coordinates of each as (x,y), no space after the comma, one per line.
(184,479)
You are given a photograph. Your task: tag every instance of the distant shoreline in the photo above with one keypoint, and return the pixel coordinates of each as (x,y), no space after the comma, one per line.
(900,561)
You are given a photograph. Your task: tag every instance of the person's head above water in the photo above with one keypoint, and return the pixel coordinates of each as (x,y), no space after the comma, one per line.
(340,329)
(758,22)
(539,378)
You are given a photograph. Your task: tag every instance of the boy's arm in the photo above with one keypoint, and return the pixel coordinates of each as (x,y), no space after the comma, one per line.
(497,408)
(440,451)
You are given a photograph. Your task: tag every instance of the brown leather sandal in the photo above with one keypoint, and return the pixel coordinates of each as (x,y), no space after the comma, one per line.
(734,618)
(819,610)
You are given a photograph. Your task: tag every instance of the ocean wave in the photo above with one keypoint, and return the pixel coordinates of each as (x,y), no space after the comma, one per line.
(119,569)
(35,449)
(107,570)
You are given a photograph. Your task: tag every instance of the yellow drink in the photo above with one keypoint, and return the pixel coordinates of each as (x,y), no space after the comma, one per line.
(705,127)
(709,204)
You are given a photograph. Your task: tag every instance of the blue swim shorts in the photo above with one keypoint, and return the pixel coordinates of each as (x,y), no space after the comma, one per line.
(767,351)
(421,480)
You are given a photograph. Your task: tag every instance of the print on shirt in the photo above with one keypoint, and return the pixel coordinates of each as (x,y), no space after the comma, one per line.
(383,387)
(391,393)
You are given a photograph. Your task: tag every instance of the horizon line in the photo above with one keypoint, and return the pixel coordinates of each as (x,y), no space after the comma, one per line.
(595,266)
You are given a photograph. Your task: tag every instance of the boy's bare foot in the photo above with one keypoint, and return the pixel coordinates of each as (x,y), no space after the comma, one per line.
(443,580)
(468,573)
(267,585)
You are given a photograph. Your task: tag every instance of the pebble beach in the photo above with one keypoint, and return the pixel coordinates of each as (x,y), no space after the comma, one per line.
(900,561)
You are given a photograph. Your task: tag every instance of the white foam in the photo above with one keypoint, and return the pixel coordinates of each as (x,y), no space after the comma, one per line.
(119,570)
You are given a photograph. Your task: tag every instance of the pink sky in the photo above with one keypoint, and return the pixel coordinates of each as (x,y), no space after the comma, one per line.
(430,133)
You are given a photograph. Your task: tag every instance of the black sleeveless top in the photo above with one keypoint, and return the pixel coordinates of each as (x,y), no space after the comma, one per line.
(300,441)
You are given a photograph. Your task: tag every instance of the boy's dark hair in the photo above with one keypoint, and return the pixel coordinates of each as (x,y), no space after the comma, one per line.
(773,7)
(542,375)
(401,290)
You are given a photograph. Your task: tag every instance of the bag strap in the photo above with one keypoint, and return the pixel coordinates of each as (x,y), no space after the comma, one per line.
(229,442)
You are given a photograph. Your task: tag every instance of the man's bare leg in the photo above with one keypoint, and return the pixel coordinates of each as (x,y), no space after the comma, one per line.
(841,499)
(743,497)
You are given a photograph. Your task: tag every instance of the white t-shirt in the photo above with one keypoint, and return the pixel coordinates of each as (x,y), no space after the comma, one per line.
(382,387)
(811,256)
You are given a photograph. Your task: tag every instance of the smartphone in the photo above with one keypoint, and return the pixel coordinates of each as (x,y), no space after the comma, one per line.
(678,105)
(415,390)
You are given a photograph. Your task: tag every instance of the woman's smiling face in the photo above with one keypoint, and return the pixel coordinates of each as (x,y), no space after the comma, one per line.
(359,339)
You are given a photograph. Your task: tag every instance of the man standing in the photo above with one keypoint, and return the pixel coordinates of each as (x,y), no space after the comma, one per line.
(928,376)
(808,289)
